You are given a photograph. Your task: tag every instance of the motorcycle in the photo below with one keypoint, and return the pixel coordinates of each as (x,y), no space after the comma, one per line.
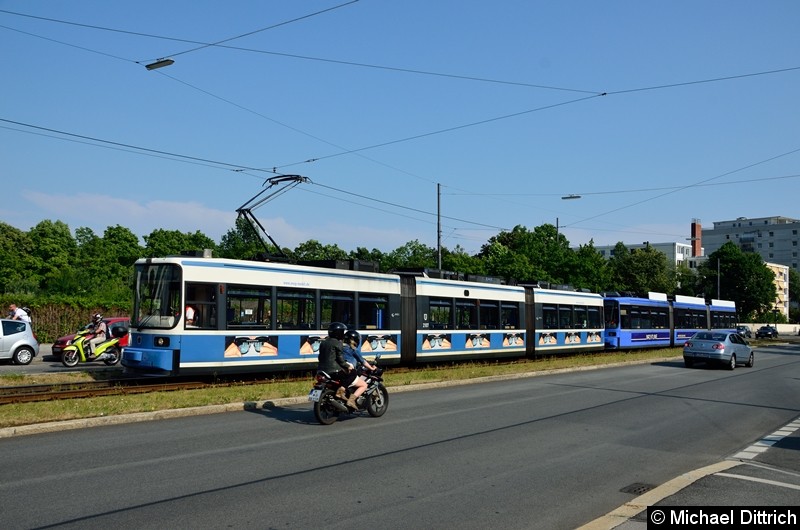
(330,402)
(79,350)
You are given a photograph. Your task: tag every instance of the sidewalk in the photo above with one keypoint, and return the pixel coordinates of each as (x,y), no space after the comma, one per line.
(765,474)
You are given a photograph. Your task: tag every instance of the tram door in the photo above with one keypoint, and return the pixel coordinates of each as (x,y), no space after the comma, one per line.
(408,319)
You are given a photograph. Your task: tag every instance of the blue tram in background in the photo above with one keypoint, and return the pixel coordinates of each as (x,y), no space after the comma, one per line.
(661,321)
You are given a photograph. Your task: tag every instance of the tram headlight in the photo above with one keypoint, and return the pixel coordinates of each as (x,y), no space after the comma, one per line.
(162,342)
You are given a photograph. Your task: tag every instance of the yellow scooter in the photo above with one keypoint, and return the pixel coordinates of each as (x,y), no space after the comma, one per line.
(79,351)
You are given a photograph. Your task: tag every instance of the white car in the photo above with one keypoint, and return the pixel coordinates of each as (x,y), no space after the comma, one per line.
(17,341)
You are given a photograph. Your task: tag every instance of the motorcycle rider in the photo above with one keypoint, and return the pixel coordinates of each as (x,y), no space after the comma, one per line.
(352,339)
(100,332)
(331,360)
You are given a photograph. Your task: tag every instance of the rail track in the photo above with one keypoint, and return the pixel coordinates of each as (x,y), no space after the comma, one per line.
(112,387)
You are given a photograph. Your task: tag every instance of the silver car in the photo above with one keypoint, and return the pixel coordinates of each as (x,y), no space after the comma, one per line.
(17,341)
(722,347)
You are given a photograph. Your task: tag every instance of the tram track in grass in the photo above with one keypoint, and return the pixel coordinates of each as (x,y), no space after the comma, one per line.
(114,387)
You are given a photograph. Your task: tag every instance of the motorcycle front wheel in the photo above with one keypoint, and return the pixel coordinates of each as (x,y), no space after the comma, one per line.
(378,402)
(70,358)
(324,411)
(113,360)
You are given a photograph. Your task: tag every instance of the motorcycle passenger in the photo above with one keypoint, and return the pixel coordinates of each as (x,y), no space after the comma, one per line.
(100,332)
(331,360)
(351,355)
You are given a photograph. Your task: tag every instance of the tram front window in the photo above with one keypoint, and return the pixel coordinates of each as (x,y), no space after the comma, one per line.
(157,296)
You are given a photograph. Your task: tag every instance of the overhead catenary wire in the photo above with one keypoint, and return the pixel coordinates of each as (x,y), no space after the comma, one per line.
(478,123)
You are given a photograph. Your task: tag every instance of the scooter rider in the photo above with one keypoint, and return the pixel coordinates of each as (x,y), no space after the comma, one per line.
(351,355)
(100,332)
(331,360)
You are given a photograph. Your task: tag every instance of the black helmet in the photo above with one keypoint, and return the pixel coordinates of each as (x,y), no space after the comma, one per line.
(336,330)
(352,336)
(97,317)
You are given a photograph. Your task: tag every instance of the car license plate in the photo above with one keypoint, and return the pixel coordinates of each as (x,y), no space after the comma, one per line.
(315,394)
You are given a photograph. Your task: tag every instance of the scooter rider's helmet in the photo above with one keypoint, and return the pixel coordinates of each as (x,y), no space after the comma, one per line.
(337,330)
(352,337)
(97,318)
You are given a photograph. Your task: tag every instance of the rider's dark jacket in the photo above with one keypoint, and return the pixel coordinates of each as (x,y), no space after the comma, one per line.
(330,356)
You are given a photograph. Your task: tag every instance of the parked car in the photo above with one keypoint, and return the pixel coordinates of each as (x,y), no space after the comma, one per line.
(744,331)
(17,341)
(112,323)
(767,332)
(720,347)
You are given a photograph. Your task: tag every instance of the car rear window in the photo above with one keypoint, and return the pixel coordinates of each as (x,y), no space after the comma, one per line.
(12,327)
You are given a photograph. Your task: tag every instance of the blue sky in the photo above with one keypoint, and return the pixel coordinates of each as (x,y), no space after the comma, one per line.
(655,113)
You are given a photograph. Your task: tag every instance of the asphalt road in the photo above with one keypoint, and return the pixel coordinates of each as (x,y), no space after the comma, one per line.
(554,451)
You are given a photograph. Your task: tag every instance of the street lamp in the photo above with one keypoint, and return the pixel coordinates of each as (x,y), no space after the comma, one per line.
(161,63)
(570,197)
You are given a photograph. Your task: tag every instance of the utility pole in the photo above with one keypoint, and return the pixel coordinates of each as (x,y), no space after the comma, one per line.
(439,223)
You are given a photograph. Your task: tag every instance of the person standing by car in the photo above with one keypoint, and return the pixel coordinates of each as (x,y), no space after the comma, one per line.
(15,313)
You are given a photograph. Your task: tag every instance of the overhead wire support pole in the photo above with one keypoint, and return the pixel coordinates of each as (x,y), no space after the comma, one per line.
(246,210)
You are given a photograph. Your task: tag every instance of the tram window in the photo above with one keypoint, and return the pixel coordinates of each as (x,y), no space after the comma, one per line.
(466,314)
(296,309)
(611,314)
(373,311)
(549,317)
(440,312)
(595,317)
(338,306)
(581,319)
(490,317)
(509,316)
(625,317)
(202,298)
(565,316)
(702,320)
(660,319)
(248,307)
(645,319)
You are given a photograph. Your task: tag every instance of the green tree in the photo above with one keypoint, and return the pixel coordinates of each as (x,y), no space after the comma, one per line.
(641,271)
(16,267)
(685,281)
(161,243)
(313,250)
(242,242)
(743,277)
(412,255)
(54,253)
(794,295)
(590,270)
(459,260)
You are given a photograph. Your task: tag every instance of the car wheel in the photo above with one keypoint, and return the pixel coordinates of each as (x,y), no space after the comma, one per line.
(732,362)
(687,362)
(751,360)
(23,355)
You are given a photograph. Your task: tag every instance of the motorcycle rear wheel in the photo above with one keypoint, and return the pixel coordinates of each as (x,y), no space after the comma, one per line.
(324,411)
(378,402)
(70,358)
(114,360)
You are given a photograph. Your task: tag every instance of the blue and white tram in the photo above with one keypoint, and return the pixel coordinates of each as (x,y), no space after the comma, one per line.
(206,315)
(252,316)
(455,319)
(660,322)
